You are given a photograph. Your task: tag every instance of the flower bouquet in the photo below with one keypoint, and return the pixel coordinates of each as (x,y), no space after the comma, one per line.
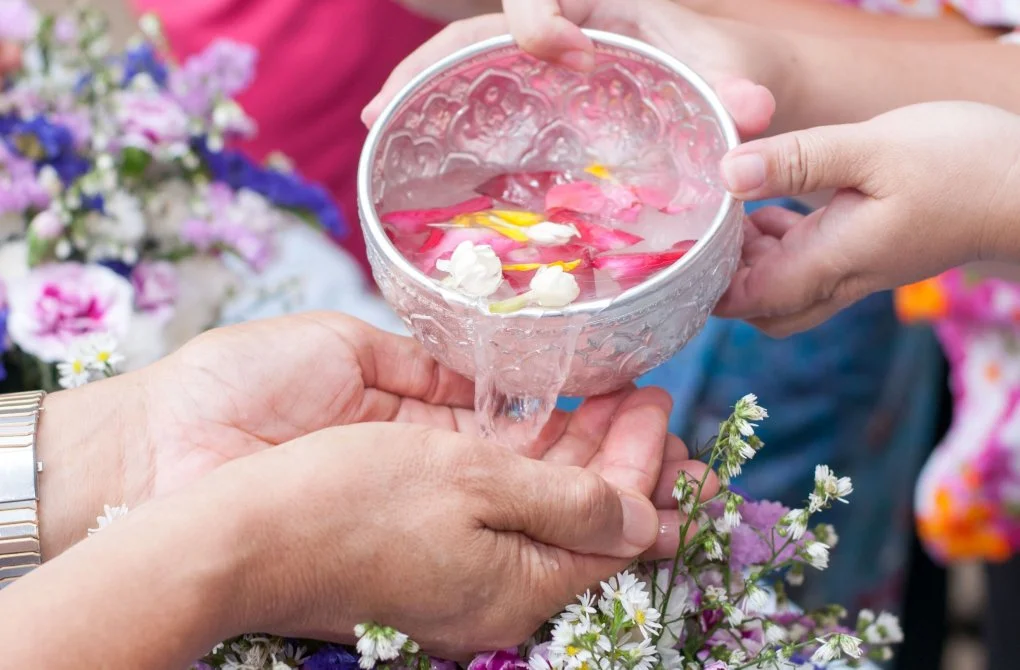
(125,221)
(718,605)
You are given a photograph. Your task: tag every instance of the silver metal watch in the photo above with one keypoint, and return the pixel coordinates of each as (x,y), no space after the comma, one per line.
(19,473)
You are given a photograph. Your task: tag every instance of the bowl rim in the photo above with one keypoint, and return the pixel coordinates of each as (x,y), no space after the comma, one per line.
(372,222)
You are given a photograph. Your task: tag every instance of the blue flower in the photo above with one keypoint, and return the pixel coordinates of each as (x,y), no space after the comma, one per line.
(45,143)
(331,658)
(143,59)
(286,190)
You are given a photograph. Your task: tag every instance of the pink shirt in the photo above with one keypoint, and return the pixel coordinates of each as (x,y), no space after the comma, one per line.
(320,62)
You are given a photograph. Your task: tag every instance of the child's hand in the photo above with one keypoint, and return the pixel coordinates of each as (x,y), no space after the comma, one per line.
(921,190)
(733,59)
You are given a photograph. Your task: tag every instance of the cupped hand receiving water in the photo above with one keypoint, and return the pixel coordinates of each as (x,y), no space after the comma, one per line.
(727,54)
(236,391)
(920,190)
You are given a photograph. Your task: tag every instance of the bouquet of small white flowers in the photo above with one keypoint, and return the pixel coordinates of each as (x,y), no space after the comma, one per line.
(125,220)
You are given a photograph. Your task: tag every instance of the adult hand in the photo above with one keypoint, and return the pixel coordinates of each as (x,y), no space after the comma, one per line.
(732,57)
(456,542)
(235,391)
(920,190)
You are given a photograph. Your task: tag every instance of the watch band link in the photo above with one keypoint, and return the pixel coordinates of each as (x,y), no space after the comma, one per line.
(19,519)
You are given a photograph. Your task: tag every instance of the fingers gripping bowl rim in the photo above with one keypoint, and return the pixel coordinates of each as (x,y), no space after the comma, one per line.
(491,104)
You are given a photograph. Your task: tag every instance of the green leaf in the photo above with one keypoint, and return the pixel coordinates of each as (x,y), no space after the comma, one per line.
(38,250)
(134,162)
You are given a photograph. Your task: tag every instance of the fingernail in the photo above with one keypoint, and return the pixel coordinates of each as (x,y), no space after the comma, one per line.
(640,522)
(743,173)
(578,60)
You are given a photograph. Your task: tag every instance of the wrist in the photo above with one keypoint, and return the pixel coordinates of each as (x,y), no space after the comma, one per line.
(156,589)
(82,442)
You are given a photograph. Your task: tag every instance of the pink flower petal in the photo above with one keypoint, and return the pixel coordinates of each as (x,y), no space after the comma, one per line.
(631,269)
(411,221)
(442,241)
(607,200)
(600,238)
(523,189)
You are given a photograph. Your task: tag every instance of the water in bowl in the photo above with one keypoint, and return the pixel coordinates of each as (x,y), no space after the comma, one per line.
(608,228)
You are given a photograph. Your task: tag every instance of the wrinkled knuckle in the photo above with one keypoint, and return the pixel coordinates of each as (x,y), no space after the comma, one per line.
(594,497)
(797,167)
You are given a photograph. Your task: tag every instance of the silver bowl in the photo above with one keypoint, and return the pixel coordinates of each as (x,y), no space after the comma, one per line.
(491,105)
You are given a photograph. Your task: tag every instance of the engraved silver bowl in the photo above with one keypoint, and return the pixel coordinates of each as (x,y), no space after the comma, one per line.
(493,105)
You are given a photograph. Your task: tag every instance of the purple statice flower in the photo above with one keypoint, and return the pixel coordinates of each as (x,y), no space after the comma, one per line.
(752,542)
(156,285)
(143,59)
(504,659)
(20,189)
(331,658)
(222,70)
(283,189)
(19,21)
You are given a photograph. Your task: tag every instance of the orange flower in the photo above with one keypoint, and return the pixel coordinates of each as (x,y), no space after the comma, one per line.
(923,301)
(965,532)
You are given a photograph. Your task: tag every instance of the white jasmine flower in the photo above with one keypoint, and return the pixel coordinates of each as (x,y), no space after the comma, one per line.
(548,233)
(553,287)
(474,270)
(817,554)
(794,523)
(110,514)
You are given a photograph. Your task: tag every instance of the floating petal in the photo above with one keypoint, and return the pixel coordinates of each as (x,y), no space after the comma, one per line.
(606,200)
(523,189)
(631,269)
(411,221)
(600,238)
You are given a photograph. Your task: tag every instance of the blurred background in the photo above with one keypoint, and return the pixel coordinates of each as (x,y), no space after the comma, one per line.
(957,627)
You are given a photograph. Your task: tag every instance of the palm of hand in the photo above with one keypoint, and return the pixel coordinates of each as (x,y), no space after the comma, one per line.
(236,391)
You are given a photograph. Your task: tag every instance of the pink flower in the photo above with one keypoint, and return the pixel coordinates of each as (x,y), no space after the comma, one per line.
(56,304)
(156,286)
(151,120)
(19,21)
(505,659)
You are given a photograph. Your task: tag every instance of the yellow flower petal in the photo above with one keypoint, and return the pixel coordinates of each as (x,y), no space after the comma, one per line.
(599,171)
(568,266)
(513,232)
(517,218)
